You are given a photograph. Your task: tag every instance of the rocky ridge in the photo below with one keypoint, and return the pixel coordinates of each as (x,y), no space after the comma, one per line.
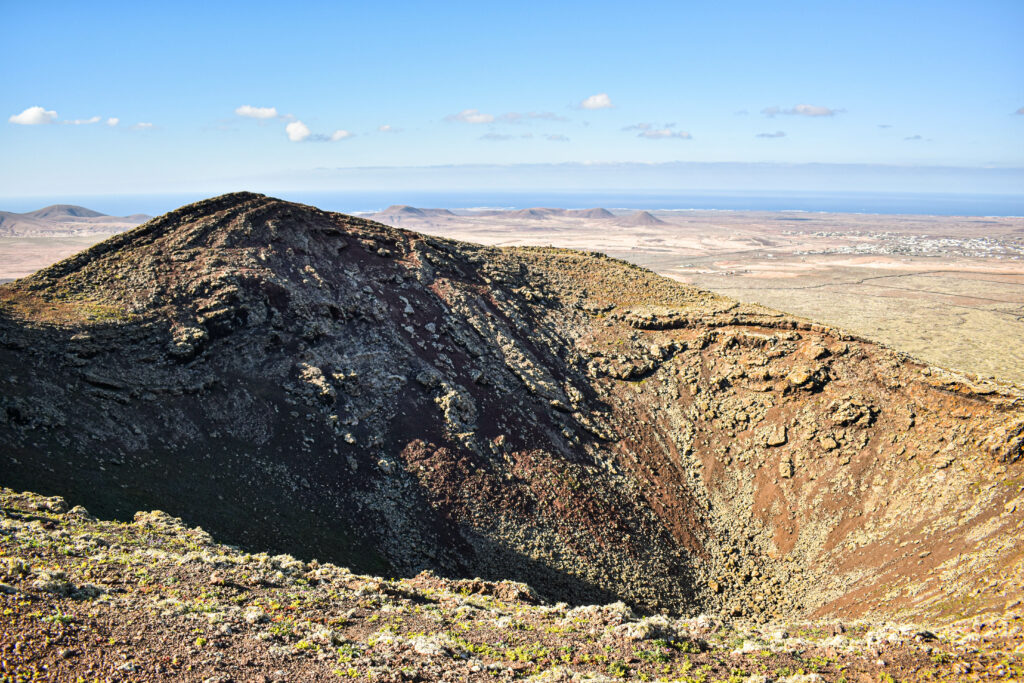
(320,384)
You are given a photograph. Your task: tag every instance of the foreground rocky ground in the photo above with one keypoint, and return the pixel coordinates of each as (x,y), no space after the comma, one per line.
(85,599)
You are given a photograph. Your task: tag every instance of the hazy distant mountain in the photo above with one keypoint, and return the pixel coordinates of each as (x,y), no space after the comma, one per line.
(536,213)
(414,211)
(541,213)
(63,212)
(590,213)
(401,214)
(640,218)
(397,214)
(65,219)
(20,223)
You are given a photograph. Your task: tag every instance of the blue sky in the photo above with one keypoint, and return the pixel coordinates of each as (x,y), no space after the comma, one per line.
(215,96)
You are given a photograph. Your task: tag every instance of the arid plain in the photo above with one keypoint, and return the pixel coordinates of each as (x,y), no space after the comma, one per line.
(33,240)
(946,289)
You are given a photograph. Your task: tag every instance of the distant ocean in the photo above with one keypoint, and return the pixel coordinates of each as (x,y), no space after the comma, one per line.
(830,202)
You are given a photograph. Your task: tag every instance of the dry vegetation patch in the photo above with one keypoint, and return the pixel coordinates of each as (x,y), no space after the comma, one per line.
(35,308)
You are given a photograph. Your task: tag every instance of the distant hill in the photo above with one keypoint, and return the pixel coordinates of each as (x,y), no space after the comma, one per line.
(590,213)
(397,214)
(403,209)
(63,211)
(640,218)
(543,213)
(403,215)
(65,219)
(20,223)
(535,213)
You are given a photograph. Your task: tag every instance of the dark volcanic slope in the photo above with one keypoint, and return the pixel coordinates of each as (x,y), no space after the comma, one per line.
(310,382)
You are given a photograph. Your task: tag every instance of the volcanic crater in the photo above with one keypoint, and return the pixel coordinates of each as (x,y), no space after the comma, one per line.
(314,383)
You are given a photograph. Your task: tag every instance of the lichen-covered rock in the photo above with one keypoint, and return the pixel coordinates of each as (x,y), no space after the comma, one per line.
(158,519)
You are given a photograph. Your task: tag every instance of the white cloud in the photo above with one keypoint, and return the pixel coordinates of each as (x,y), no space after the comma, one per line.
(388,129)
(297,131)
(802,110)
(251,112)
(471,116)
(556,138)
(776,134)
(812,110)
(495,137)
(639,126)
(599,101)
(664,134)
(34,116)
